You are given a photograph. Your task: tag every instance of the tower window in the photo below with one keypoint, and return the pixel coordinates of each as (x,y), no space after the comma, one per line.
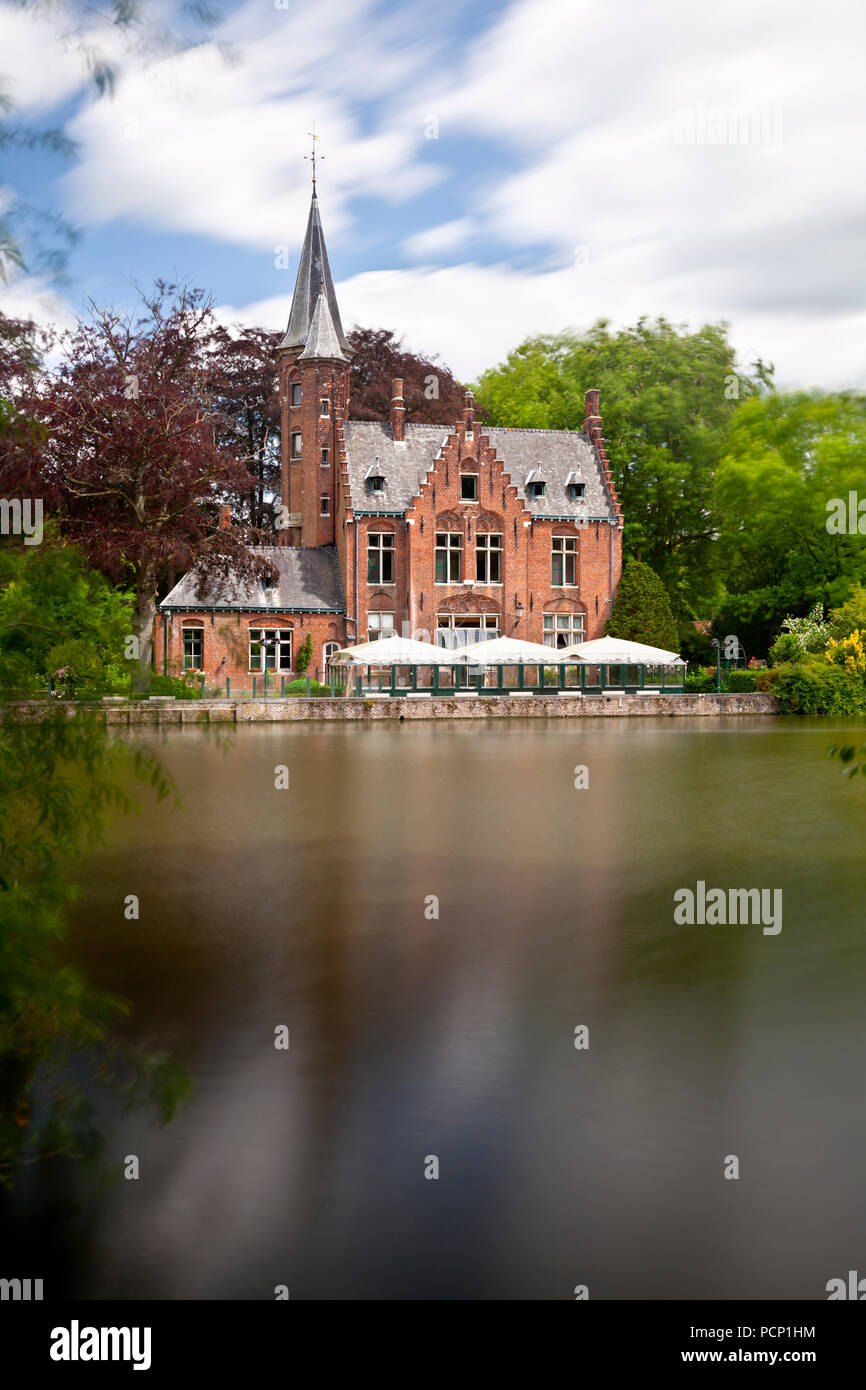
(325,408)
(324,458)
(469,487)
(296,445)
(296,393)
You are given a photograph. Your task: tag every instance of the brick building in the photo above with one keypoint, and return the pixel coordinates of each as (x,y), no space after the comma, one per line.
(445,532)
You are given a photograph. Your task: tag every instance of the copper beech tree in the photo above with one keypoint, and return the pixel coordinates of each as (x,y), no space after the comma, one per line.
(138,456)
(432,394)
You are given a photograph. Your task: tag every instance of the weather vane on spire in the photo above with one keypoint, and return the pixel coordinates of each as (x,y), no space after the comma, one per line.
(314,156)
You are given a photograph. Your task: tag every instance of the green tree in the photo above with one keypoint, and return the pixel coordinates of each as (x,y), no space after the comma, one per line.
(788,457)
(56,613)
(667,398)
(642,609)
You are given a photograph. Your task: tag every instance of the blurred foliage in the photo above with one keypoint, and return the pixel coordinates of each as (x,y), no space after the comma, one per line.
(61,780)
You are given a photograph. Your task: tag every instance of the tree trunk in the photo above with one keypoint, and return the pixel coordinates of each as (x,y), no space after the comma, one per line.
(145,617)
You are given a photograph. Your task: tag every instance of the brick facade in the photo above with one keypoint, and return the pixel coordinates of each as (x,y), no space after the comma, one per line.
(225,644)
(325,503)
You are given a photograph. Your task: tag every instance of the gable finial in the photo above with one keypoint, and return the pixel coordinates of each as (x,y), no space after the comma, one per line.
(314,156)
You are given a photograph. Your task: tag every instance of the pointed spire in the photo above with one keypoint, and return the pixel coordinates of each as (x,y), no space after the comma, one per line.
(322,338)
(314,279)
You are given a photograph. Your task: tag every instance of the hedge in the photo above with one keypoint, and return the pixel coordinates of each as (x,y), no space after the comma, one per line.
(817,687)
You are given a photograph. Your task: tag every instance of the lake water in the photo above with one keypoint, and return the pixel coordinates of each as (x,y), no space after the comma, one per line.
(414,1036)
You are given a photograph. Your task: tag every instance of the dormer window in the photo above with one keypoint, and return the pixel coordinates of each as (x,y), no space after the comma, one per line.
(469,487)
(575,487)
(268,584)
(375,478)
(535,483)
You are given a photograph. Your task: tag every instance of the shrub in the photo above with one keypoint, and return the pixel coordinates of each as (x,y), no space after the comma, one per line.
(809,634)
(767,679)
(742,680)
(299,687)
(787,648)
(181,687)
(850,617)
(700,682)
(819,687)
(848,653)
(642,609)
(305,654)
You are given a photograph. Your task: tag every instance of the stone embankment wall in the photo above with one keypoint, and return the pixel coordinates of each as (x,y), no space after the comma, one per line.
(149,712)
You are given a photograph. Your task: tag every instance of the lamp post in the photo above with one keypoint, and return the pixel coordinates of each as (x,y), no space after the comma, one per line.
(714,642)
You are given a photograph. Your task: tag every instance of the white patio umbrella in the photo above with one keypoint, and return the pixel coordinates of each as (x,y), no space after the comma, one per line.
(615,651)
(506,651)
(394,651)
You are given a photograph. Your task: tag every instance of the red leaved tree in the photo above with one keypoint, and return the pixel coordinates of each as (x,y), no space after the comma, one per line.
(247,391)
(432,394)
(138,456)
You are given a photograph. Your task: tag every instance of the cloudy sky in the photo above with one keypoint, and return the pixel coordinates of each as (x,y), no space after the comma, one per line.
(492,170)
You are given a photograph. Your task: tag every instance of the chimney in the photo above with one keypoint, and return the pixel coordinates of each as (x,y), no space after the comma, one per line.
(398,409)
(592,420)
(225,518)
(468,412)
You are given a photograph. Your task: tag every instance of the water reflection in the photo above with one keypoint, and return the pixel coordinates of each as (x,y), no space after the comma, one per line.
(453,1037)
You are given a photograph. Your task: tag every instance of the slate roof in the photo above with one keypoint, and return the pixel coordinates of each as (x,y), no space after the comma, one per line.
(310,581)
(403,466)
(322,339)
(558,454)
(314,278)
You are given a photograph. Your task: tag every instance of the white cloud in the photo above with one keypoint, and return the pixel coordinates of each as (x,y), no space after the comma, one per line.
(472,316)
(622,216)
(34,297)
(209,144)
(438,240)
(38,68)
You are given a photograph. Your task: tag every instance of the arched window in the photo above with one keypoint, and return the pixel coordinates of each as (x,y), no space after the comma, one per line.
(328,651)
